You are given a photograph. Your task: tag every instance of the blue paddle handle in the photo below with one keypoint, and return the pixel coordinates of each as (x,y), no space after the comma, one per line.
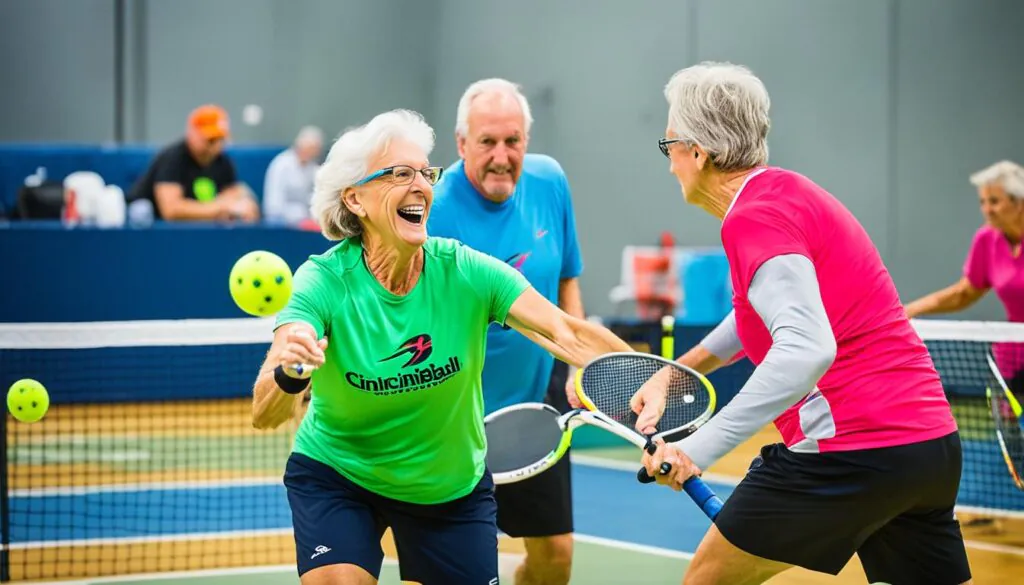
(702,495)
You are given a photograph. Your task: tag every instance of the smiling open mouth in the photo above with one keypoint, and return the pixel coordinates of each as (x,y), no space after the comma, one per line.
(411,213)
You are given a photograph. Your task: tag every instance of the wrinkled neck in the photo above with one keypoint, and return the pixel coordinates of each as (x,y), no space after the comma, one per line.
(396,268)
(718,192)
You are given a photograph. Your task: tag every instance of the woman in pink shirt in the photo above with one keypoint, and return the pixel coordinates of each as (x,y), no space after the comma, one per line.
(871,458)
(994,262)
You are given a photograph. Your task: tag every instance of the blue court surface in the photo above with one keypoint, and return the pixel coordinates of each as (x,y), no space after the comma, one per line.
(610,503)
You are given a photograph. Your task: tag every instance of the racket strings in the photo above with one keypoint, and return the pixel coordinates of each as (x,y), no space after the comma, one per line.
(1008,425)
(611,382)
(521,437)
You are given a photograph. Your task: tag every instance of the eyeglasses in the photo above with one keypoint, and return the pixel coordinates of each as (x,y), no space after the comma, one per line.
(404,175)
(664,142)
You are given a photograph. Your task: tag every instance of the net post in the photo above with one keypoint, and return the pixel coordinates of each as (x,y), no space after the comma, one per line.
(5,512)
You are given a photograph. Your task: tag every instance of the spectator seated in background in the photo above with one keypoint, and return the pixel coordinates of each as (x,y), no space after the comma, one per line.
(192,179)
(289,182)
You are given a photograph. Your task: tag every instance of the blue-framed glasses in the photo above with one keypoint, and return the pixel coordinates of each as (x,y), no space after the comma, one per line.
(404,175)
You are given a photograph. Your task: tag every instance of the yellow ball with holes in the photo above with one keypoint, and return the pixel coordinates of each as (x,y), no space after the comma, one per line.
(28,400)
(261,283)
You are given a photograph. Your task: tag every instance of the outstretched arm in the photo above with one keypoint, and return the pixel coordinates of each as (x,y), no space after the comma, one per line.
(573,340)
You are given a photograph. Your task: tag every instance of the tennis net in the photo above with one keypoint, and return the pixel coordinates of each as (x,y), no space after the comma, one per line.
(959,350)
(147,460)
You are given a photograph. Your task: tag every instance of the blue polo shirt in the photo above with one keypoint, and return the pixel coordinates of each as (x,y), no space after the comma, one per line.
(534,231)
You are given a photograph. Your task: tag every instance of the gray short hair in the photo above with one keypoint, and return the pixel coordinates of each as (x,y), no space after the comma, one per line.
(1008,175)
(347,163)
(723,108)
(493,85)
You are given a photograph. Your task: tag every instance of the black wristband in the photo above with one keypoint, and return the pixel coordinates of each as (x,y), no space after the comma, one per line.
(289,384)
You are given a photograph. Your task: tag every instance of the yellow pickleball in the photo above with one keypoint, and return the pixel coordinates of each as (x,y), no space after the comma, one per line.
(261,283)
(28,400)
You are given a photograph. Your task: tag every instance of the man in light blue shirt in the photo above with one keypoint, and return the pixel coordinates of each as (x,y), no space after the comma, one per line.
(288,186)
(518,208)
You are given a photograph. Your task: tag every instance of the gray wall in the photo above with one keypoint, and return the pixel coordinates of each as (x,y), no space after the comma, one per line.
(890,104)
(57,71)
(329,62)
(959,107)
(303,61)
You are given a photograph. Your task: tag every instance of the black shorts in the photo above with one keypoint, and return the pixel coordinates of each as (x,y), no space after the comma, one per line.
(337,521)
(892,506)
(541,505)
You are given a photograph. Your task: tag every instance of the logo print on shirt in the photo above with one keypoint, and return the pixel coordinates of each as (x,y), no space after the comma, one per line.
(424,375)
(517,260)
(419,346)
(541,233)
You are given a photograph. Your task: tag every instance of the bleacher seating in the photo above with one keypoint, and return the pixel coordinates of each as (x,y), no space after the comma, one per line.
(118,165)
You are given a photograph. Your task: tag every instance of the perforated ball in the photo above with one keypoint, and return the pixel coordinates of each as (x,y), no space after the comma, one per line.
(261,283)
(28,400)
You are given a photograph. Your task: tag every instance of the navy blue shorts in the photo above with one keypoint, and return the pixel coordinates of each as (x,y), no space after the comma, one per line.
(337,521)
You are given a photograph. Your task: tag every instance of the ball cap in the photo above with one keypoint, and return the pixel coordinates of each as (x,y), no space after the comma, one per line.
(210,120)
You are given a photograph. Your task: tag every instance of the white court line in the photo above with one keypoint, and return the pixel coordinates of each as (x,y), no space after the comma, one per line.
(633,547)
(991,512)
(149,333)
(992,547)
(653,550)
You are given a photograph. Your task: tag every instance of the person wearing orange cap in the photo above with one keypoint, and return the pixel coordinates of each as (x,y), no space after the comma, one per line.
(193,179)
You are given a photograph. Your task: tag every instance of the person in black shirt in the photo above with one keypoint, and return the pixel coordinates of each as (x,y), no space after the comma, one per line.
(192,179)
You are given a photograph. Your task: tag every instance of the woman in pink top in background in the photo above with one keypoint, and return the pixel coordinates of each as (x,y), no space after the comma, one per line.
(871,459)
(993,262)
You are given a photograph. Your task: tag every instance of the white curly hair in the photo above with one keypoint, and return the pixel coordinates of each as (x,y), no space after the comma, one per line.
(348,162)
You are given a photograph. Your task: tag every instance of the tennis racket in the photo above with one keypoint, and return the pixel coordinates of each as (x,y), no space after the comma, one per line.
(524,440)
(606,384)
(1006,414)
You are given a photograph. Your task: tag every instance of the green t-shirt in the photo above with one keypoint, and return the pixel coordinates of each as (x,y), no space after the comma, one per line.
(398,406)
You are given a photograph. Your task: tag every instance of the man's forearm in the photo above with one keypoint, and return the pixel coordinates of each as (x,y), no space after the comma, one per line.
(188,209)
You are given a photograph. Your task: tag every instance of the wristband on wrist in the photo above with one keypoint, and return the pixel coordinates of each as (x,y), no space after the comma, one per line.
(289,384)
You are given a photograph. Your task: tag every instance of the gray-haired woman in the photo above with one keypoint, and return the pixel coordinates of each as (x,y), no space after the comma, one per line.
(870,462)
(394,435)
